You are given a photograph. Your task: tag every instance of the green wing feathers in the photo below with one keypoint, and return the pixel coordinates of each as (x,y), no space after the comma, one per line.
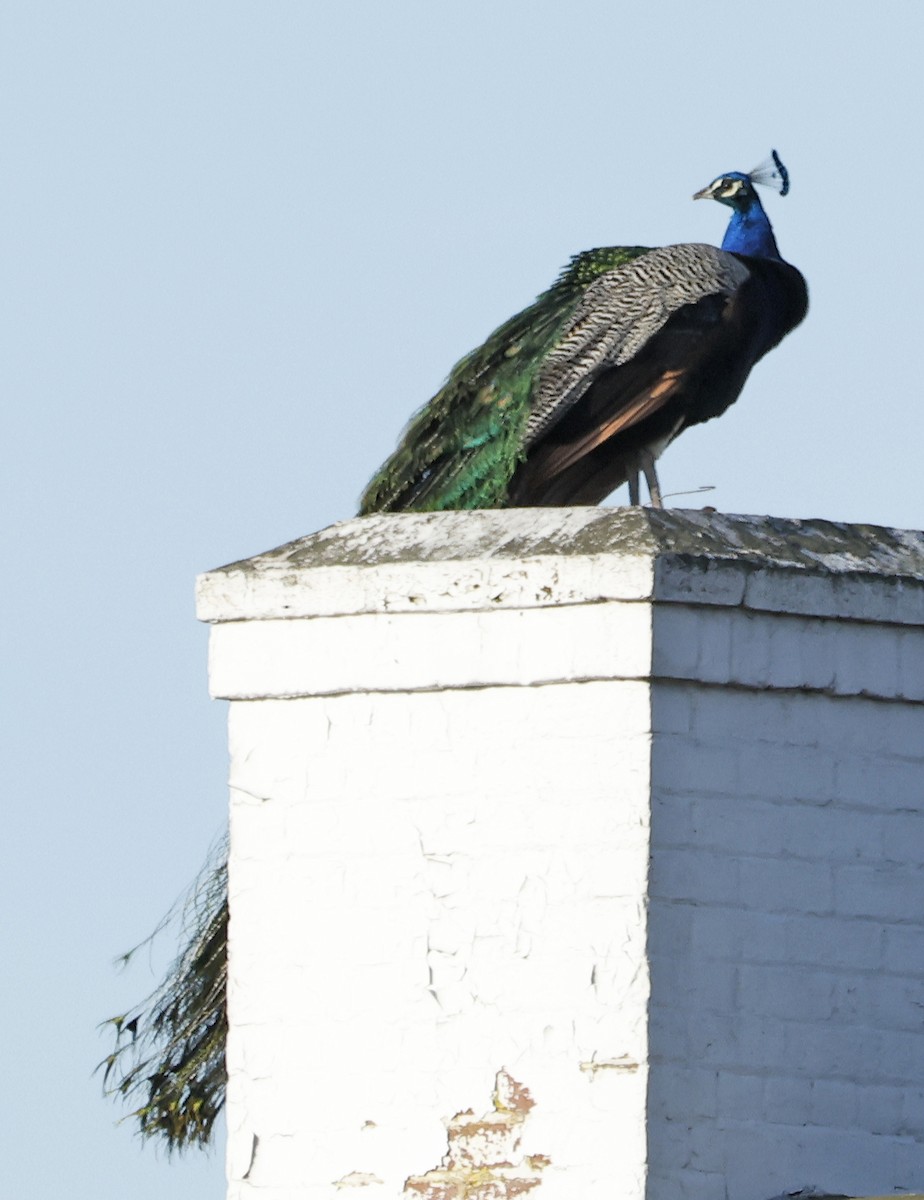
(462,448)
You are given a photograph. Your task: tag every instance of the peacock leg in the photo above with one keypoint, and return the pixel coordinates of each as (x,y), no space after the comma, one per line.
(634,498)
(646,458)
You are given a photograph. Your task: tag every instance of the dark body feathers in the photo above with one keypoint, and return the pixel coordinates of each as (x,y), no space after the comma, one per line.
(688,372)
(577,393)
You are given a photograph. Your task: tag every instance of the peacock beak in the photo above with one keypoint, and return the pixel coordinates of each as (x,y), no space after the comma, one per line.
(707,193)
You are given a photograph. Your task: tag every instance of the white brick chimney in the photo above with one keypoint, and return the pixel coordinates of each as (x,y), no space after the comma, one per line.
(577,852)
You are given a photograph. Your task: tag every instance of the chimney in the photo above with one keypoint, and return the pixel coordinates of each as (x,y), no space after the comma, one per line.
(576,852)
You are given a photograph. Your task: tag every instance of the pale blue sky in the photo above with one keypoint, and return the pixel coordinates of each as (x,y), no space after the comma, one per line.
(240,243)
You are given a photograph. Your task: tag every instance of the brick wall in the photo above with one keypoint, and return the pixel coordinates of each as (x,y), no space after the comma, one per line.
(575,852)
(787,910)
(424,893)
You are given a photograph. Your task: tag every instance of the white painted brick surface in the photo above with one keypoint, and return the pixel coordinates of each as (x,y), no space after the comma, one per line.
(798,851)
(423,651)
(629,805)
(423,891)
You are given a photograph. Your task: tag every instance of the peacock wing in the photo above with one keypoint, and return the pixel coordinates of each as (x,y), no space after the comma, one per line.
(619,314)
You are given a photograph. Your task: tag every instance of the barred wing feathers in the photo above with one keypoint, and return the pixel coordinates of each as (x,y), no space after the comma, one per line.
(620,312)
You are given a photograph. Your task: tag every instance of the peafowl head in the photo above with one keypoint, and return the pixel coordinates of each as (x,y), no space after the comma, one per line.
(733,189)
(749,231)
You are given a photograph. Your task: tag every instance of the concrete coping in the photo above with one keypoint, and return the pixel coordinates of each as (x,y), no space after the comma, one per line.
(542,557)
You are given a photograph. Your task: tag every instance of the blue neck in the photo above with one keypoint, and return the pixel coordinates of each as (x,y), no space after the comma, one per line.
(749,232)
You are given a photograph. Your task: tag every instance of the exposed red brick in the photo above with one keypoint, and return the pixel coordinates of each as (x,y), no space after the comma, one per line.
(478,1164)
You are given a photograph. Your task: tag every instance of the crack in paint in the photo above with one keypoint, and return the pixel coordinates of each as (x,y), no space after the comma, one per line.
(623,1063)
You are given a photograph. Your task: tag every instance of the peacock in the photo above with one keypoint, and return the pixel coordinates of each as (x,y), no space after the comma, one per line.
(566,401)
(583,390)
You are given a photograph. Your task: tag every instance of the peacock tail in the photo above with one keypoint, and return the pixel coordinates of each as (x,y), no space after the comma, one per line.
(462,448)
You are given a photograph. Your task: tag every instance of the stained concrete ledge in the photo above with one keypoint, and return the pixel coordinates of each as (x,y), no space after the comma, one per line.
(540,557)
